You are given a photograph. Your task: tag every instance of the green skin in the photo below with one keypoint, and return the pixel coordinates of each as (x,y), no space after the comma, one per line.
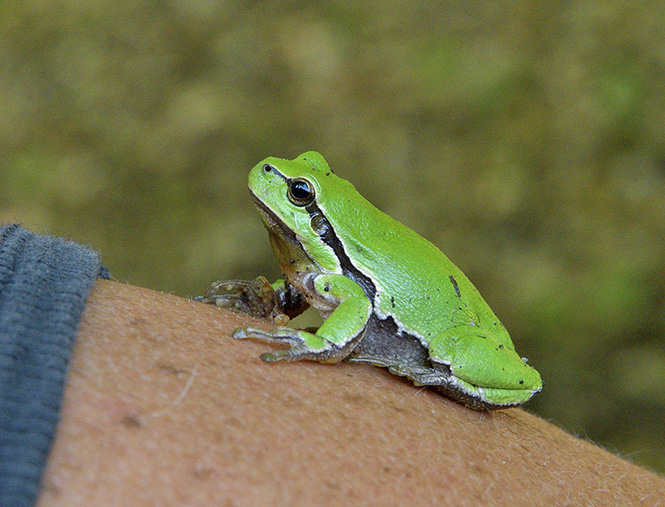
(388,296)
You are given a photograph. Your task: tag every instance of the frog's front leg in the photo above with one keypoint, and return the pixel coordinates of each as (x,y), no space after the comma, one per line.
(279,301)
(338,334)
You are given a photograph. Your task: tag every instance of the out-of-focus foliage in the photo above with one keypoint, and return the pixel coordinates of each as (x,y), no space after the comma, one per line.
(527,139)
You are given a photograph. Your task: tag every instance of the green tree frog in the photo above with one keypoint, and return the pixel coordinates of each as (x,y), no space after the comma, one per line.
(388,297)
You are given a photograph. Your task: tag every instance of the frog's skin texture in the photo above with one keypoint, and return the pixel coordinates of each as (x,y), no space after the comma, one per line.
(387,296)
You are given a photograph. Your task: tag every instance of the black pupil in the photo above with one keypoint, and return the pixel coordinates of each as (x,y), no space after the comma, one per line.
(267,168)
(300,190)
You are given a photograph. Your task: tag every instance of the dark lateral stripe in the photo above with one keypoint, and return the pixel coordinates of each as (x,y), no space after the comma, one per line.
(276,171)
(348,269)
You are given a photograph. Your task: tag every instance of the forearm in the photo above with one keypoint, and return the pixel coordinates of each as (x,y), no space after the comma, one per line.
(162,405)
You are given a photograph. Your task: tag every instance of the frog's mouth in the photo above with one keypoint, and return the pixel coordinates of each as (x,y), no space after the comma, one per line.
(274,224)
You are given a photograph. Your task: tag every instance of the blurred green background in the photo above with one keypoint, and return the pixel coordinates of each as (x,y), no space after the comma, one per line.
(526,139)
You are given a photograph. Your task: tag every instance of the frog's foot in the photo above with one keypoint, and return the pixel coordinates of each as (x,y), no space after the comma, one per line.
(420,375)
(440,377)
(253,297)
(302,345)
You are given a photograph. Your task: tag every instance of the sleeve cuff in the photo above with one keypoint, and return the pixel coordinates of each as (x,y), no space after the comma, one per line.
(44,284)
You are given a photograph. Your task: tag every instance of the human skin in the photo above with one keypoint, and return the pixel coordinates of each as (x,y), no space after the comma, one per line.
(162,407)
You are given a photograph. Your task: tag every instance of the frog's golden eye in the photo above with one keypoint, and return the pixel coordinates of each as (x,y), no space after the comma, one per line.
(301,192)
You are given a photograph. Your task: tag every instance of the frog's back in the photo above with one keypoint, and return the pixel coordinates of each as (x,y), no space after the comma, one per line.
(415,282)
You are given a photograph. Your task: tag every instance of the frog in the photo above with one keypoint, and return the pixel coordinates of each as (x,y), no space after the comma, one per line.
(387,296)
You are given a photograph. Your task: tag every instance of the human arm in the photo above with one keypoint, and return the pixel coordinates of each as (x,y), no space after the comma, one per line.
(163,407)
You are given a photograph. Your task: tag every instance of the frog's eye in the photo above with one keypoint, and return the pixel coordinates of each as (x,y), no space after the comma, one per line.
(301,192)
(267,168)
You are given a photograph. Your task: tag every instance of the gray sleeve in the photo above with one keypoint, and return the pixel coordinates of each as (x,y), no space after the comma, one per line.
(44,284)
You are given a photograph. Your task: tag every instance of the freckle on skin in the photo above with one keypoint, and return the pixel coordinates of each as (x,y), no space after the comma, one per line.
(132,421)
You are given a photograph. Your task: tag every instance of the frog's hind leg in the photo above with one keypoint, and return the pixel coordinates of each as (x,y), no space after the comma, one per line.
(483,366)
(404,355)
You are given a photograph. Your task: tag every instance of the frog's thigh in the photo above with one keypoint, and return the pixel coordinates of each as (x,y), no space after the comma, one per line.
(479,360)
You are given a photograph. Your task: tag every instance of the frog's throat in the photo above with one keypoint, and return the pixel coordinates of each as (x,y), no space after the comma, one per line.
(289,251)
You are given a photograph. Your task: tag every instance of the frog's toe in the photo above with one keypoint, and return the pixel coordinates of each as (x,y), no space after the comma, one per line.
(279,335)
(419,375)
(276,355)
(241,333)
